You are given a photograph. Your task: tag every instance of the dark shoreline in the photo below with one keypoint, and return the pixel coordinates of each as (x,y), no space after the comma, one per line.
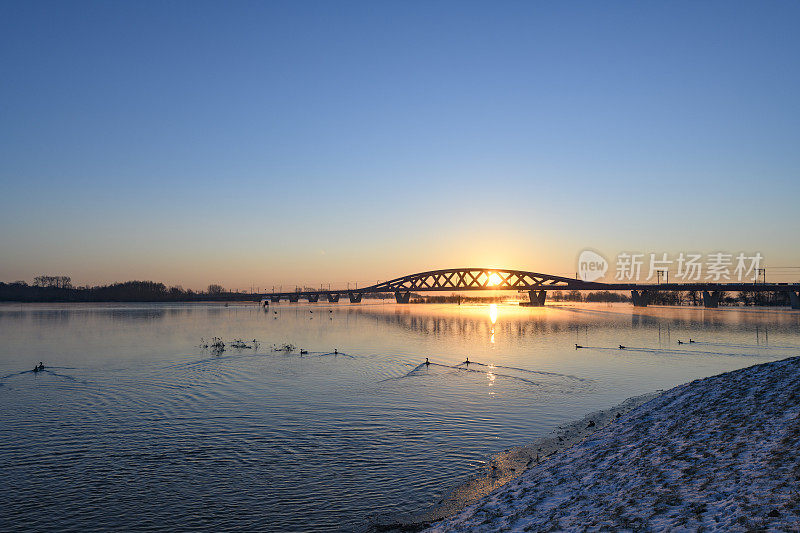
(129,291)
(204,299)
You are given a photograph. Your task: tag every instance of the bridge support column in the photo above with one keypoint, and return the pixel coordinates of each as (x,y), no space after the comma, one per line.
(333,298)
(294,298)
(794,299)
(537,298)
(402,297)
(313,298)
(711,299)
(640,298)
(274,299)
(355,297)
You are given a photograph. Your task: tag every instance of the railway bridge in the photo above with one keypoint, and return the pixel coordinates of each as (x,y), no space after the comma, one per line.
(535,283)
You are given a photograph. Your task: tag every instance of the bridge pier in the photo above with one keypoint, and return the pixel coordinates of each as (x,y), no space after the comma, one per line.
(402,297)
(711,299)
(333,298)
(794,299)
(355,297)
(274,299)
(537,298)
(640,298)
(313,298)
(294,298)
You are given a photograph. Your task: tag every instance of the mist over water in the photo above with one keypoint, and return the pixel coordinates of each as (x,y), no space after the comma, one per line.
(133,425)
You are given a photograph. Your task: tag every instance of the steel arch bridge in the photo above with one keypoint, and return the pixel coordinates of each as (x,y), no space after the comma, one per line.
(471,279)
(536,283)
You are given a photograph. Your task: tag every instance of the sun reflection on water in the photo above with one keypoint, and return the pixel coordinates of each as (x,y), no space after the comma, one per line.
(493,318)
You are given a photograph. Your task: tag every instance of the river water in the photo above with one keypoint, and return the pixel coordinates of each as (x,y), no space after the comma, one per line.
(135,425)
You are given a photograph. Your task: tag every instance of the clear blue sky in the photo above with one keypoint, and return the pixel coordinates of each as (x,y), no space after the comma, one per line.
(259,143)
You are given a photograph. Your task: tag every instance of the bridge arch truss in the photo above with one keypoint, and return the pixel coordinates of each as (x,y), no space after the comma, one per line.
(468,279)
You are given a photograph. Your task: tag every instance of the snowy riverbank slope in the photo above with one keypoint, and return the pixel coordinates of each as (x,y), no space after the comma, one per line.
(720,453)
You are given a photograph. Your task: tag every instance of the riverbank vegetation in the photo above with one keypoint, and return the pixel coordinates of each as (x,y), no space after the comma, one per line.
(60,289)
(677,298)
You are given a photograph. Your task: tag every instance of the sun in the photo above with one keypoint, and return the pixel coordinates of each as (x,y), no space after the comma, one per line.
(495,279)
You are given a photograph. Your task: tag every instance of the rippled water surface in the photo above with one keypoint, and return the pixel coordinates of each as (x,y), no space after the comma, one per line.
(135,426)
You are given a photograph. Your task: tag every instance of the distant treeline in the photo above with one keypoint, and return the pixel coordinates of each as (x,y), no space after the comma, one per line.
(558,296)
(379,295)
(757,298)
(60,289)
(457,299)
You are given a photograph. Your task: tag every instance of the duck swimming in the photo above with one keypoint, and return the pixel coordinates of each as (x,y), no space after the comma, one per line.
(303,352)
(621,347)
(467,361)
(427,363)
(578,346)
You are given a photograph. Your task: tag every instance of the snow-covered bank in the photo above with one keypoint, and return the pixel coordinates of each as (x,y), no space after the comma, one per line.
(720,453)
(505,466)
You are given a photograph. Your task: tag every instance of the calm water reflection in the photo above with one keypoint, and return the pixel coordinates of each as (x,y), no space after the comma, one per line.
(134,426)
